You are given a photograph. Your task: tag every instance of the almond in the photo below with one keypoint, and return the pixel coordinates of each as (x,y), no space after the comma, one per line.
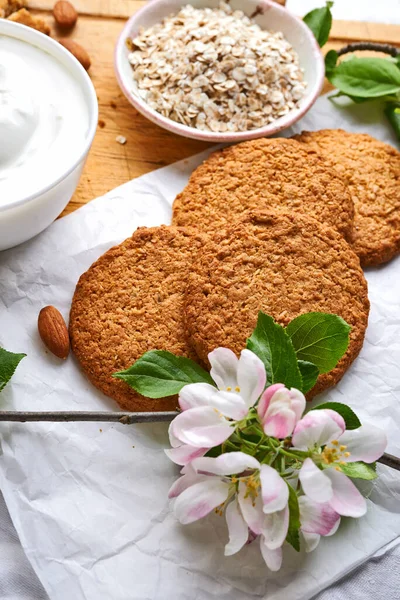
(65,14)
(53,331)
(77,50)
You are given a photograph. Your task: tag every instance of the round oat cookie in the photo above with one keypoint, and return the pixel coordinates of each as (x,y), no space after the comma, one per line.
(131,301)
(283,264)
(372,172)
(264,174)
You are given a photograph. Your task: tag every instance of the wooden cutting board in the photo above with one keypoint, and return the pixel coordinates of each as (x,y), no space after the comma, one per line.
(148,147)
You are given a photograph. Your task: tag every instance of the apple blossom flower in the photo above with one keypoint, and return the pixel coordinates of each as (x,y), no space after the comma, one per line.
(317,519)
(280,409)
(329,484)
(209,414)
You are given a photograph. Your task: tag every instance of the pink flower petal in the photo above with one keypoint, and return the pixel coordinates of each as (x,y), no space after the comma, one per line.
(311,540)
(367,443)
(224,365)
(196,394)
(266,399)
(275,492)
(200,499)
(184,454)
(237,529)
(318,427)
(316,517)
(251,509)
(346,499)
(230,463)
(298,402)
(275,528)
(272,558)
(251,377)
(181,484)
(316,485)
(173,440)
(279,421)
(202,427)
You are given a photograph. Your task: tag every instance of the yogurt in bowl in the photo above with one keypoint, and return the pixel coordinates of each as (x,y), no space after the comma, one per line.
(48,118)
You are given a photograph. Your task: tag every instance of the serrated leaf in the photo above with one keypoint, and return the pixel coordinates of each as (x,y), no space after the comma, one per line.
(349,416)
(360,470)
(319,21)
(330,60)
(159,373)
(366,77)
(319,338)
(271,344)
(309,374)
(8,363)
(293,535)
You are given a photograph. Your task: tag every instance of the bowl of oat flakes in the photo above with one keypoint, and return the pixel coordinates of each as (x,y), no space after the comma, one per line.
(219,72)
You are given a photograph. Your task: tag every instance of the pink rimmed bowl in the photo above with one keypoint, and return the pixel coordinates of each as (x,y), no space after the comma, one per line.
(269,15)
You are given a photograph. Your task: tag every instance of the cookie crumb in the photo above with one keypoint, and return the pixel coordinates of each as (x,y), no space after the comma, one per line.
(24,17)
(101,431)
(120,139)
(7,7)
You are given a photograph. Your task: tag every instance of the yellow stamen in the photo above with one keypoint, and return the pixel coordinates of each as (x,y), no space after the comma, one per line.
(334,442)
(342,448)
(338,469)
(229,389)
(347,454)
(237,389)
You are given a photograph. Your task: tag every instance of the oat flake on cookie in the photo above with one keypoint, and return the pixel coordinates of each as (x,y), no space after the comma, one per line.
(216,70)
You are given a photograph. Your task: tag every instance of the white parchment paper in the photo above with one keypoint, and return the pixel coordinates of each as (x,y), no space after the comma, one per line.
(89,501)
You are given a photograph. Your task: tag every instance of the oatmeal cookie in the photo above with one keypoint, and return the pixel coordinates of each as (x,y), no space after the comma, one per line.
(264,174)
(131,301)
(283,264)
(372,172)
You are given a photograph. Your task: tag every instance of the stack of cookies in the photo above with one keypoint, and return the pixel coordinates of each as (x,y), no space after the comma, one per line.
(274,225)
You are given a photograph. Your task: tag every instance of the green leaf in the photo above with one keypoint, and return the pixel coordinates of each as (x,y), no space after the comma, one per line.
(366,77)
(330,60)
(309,374)
(349,416)
(359,470)
(159,373)
(319,21)
(319,338)
(270,342)
(8,363)
(293,537)
(392,112)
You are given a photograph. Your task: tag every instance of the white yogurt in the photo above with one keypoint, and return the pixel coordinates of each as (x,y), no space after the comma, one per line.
(44,119)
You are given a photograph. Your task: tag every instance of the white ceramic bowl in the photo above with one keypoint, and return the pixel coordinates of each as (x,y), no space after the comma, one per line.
(269,16)
(25,217)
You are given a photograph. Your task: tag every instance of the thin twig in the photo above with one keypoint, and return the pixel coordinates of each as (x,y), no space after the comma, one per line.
(127,418)
(375,46)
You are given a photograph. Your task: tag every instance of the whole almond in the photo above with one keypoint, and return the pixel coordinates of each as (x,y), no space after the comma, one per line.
(77,50)
(65,14)
(53,331)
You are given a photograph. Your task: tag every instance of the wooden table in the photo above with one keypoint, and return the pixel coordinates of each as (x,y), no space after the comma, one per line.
(148,147)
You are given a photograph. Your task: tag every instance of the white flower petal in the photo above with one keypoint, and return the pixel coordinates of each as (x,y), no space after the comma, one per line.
(201,427)
(251,377)
(200,499)
(181,484)
(184,454)
(237,528)
(224,364)
(272,558)
(173,440)
(275,528)
(317,428)
(317,517)
(346,499)
(251,509)
(230,463)
(298,402)
(334,528)
(367,443)
(316,485)
(196,394)
(279,421)
(229,404)
(275,492)
(311,540)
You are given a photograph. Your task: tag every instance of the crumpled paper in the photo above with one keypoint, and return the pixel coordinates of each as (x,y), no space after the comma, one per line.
(89,501)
